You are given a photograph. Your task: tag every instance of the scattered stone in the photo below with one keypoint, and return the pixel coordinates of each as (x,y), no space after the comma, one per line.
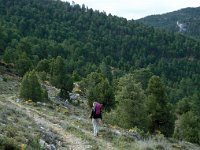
(58,143)
(42,128)
(74,96)
(42,143)
(39,103)
(50,147)
(117,132)
(18,100)
(132,135)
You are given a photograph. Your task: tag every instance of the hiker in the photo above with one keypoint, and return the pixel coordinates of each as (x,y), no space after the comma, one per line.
(96,116)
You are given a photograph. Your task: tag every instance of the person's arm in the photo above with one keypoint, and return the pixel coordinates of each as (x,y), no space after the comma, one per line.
(91,114)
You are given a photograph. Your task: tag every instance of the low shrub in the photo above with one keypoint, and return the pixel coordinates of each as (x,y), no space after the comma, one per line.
(8,144)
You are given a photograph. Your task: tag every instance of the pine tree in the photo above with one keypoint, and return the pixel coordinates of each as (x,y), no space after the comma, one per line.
(159,110)
(59,77)
(23,64)
(188,127)
(106,71)
(99,89)
(131,108)
(31,88)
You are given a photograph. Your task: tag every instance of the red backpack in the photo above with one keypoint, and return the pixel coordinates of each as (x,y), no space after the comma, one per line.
(98,108)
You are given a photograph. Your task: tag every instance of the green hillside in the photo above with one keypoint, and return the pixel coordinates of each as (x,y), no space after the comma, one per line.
(184,20)
(135,70)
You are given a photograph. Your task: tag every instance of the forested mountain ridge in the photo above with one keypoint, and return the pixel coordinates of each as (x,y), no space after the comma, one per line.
(185,21)
(34,30)
(109,56)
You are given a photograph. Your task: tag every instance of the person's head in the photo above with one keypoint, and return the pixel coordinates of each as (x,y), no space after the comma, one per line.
(94,104)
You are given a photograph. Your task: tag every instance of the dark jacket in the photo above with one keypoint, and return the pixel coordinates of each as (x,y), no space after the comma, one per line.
(94,115)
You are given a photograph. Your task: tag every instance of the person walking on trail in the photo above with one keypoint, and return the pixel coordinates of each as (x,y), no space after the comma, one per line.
(96,116)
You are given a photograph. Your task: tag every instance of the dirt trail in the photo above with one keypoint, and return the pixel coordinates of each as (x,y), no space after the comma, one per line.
(49,121)
(72,142)
(52,92)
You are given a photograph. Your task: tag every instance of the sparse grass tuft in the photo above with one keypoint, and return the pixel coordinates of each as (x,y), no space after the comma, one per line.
(84,137)
(34,145)
(8,144)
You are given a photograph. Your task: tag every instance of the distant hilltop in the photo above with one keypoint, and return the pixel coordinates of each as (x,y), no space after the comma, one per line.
(184,20)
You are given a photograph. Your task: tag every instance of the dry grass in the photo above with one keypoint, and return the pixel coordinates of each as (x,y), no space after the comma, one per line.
(17,127)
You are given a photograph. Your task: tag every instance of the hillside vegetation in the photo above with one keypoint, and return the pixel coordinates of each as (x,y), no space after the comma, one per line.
(35,30)
(146,78)
(184,20)
(53,125)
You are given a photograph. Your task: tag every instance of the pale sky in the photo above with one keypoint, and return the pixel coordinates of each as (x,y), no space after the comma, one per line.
(135,9)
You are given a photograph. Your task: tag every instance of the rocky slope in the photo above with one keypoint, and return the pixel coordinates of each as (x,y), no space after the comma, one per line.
(60,125)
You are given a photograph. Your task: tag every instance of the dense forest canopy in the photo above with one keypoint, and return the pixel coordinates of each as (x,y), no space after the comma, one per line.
(186,21)
(32,30)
